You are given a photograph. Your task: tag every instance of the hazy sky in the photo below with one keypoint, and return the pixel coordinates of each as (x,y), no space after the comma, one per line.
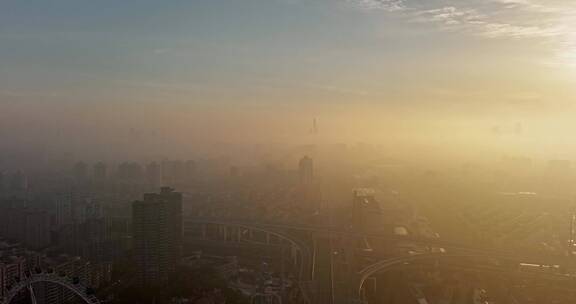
(282,62)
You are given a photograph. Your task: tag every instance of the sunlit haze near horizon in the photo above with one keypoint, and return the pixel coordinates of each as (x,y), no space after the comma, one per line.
(107,79)
(288,151)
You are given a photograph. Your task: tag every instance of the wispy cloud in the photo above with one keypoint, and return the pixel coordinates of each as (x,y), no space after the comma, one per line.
(499,20)
(386,5)
(528,5)
(449,15)
(498,30)
(549,21)
(482,24)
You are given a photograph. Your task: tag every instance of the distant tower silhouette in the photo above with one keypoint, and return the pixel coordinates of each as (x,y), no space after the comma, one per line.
(306,170)
(314,129)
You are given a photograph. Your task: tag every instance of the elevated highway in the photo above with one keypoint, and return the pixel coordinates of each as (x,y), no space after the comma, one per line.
(317,254)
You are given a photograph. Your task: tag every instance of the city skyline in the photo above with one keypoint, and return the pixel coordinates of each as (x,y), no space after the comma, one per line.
(287,151)
(261,70)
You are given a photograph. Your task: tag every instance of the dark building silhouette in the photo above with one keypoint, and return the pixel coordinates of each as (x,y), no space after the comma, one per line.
(306,170)
(157,228)
(130,171)
(80,171)
(175,172)
(153,174)
(190,168)
(100,171)
(2,181)
(18,182)
(27,226)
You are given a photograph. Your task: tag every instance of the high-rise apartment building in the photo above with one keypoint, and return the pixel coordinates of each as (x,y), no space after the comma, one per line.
(157,229)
